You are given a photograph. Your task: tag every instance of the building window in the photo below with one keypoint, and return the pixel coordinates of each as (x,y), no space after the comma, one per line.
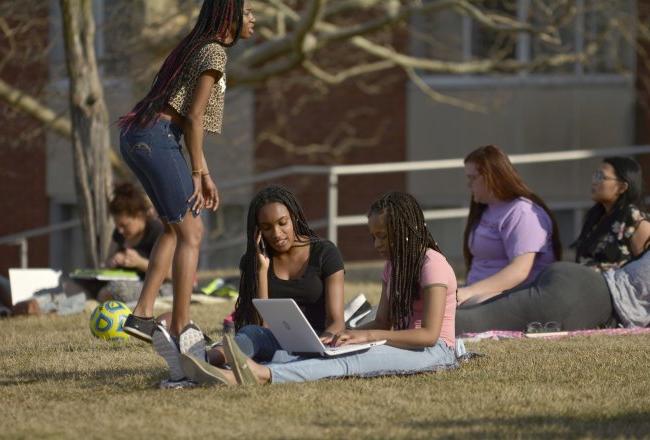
(604,29)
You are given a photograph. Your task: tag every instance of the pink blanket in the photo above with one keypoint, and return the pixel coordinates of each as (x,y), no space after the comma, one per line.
(504,334)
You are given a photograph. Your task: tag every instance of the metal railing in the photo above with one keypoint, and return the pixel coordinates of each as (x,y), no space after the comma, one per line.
(20,238)
(333,221)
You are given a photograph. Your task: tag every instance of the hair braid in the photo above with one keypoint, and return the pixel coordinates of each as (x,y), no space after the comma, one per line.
(212,26)
(408,239)
(245,312)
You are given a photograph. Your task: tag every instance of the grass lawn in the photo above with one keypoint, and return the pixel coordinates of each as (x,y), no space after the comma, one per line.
(57,381)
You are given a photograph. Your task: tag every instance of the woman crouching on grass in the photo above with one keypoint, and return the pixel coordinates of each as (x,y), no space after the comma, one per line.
(415,316)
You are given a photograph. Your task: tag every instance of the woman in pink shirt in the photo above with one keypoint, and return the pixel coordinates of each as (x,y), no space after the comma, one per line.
(415,316)
(511,235)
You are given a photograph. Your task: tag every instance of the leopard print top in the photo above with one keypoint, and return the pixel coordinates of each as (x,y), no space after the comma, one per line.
(212,56)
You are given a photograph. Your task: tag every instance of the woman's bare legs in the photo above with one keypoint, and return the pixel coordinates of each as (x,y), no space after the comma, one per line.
(189,233)
(262,373)
(159,262)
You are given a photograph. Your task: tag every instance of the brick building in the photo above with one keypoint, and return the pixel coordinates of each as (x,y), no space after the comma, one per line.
(584,106)
(23,146)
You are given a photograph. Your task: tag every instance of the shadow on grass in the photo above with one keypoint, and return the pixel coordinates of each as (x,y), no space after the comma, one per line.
(626,424)
(113,376)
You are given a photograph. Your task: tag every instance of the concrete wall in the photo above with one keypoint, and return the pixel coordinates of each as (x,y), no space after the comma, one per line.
(522,115)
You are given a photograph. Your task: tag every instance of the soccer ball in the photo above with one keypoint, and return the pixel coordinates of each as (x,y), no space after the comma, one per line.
(107,319)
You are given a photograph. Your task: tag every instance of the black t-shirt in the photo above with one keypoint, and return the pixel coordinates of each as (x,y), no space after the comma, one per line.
(152,230)
(309,290)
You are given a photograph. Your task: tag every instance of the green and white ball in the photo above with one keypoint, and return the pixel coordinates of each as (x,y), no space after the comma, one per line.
(107,320)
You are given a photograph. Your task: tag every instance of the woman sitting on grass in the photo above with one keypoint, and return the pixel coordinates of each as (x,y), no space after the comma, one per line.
(134,237)
(616,227)
(570,295)
(575,296)
(285,259)
(415,315)
(511,235)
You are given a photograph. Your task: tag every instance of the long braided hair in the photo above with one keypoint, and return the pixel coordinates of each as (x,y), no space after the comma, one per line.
(213,25)
(408,240)
(502,180)
(245,312)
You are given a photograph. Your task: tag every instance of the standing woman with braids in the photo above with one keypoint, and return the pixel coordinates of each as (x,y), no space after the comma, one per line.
(510,236)
(285,259)
(415,315)
(186,98)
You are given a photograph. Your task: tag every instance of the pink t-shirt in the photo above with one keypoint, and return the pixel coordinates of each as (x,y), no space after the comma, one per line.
(435,271)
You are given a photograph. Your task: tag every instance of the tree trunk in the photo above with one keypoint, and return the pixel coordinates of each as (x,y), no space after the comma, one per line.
(90,134)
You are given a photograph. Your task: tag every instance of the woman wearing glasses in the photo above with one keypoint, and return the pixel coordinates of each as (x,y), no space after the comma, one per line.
(616,227)
(510,236)
(615,239)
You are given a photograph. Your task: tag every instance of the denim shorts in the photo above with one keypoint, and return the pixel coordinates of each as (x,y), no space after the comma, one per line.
(155,156)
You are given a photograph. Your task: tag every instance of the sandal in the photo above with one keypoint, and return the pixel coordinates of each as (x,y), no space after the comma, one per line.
(238,362)
(202,372)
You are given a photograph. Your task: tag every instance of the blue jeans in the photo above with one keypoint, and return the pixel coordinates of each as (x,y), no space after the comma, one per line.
(259,344)
(155,156)
(382,360)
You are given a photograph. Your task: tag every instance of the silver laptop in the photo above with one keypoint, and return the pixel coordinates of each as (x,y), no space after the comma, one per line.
(293,331)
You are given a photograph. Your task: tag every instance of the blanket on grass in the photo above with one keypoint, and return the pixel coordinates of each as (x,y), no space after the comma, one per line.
(504,334)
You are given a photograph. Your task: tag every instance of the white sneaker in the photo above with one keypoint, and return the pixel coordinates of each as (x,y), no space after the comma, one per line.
(191,341)
(167,348)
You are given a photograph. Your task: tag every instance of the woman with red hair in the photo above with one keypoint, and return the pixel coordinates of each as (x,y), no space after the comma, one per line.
(510,236)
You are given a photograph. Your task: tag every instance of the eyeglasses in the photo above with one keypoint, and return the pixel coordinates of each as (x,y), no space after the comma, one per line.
(598,176)
(538,327)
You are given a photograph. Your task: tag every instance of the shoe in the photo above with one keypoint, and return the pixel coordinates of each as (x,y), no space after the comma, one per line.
(353,306)
(168,384)
(364,314)
(357,311)
(202,372)
(220,288)
(166,347)
(141,328)
(238,362)
(191,341)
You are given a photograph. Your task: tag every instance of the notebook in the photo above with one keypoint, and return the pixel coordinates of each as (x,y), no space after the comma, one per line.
(105,274)
(294,333)
(26,282)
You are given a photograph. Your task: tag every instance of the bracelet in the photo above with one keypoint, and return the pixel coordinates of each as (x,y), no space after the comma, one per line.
(205,173)
(199,172)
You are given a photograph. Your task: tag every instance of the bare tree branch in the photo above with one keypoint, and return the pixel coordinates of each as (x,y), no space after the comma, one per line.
(439,97)
(344,75)
(56,122)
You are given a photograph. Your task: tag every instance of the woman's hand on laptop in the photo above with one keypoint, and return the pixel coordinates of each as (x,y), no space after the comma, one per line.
(327,337)
(347,337)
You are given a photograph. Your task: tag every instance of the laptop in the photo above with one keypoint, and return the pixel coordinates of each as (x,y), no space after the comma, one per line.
(295,334)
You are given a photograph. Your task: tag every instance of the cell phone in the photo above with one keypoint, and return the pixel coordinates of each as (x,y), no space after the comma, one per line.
(262,246)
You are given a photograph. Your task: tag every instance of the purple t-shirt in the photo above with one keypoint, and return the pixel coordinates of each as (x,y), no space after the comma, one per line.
(507,230)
